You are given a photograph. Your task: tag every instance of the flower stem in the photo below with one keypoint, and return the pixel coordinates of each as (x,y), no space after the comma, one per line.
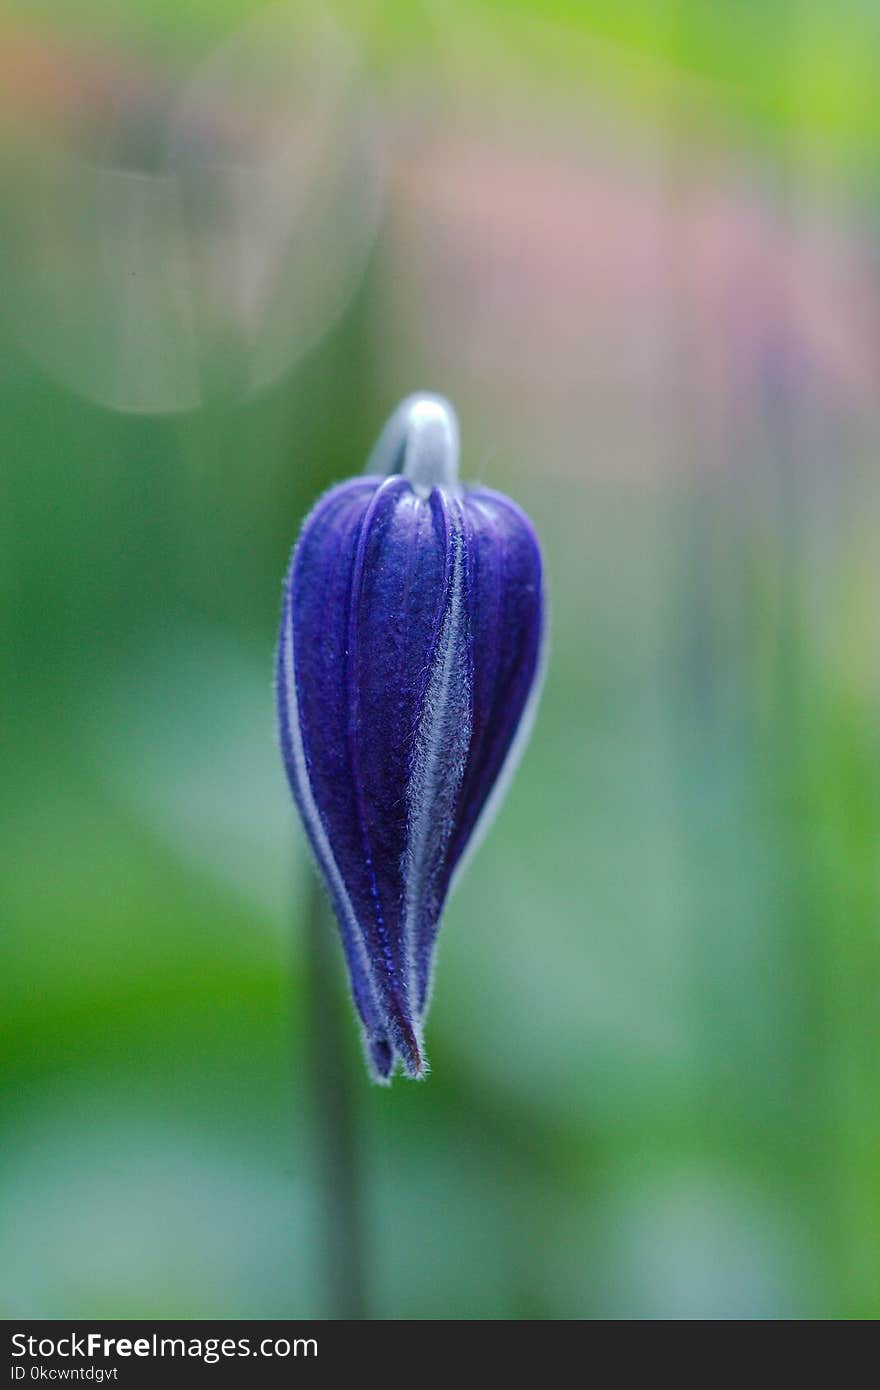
(337,1152)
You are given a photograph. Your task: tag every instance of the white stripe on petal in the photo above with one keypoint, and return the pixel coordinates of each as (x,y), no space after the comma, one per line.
(439,757)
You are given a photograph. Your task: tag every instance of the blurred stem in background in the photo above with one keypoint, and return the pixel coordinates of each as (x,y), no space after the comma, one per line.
(337,1150)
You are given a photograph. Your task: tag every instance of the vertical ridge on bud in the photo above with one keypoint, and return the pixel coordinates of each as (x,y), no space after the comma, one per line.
(409,653)
(439,756)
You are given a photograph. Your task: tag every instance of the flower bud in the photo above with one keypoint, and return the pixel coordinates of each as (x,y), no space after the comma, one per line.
(407,672)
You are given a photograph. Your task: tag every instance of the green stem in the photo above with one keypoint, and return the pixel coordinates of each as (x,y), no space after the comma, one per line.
(339,1177)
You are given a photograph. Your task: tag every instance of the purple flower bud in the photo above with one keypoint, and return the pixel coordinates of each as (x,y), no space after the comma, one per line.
(407,676)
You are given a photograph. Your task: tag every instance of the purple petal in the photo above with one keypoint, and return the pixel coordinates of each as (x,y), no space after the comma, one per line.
(366,597)
(319,577)
(504,615)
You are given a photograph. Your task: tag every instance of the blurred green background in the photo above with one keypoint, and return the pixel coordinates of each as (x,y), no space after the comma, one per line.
(637,246)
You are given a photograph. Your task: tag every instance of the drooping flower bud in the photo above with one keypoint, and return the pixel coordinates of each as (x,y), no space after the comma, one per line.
(407,675)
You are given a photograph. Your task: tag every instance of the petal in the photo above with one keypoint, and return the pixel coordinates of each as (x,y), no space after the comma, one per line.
(313,720)
(398,595)
(505,615)
(438,760)
(366,599)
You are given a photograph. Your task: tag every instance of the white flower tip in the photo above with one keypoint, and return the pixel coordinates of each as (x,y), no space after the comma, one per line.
(421,441)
